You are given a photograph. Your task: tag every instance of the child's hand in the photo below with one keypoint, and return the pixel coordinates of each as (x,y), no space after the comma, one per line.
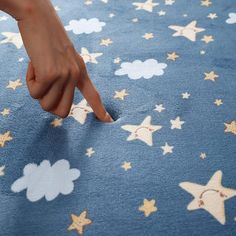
(55,68)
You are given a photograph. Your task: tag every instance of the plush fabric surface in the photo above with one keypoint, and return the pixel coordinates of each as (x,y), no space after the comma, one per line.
(166,166)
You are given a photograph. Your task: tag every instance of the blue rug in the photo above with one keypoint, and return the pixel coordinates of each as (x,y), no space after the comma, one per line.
(166,166)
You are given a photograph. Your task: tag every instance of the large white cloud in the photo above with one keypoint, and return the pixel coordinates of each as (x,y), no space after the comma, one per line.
(138,69)
(232,18)
(85,26)
(46,180)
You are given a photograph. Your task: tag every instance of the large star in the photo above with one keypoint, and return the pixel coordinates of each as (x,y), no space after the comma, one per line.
(143,131)
(209,197)
(189,31)
(14,84)
(79,222)
(14,38)
(147,6)
(79,112)
(89,57)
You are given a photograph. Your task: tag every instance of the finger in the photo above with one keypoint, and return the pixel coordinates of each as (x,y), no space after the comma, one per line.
(63,107)
(51,99)
(35,88)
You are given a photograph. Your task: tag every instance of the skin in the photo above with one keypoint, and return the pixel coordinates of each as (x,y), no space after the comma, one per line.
(55,68)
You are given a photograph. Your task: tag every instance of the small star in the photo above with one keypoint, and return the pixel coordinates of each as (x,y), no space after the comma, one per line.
(117,60)
(207,39)
(104,1)
(211,76)
(206,3)
(2,18)
(167,149)
(121,94)
(148,36)
(79,222)
(2,173)
(88,2)
(203,155)
(111,15)
(89,57)
(147,6)
(185,15)
(56,122)
(106,42)
(177,123)
(172,56)
(148,207)
(5,112)
(6,137)
(126,166)
(202,52)
(14,38)
(218,102)
(231,127)
(89,152)
(21,59)
(57,8)
(212,16)
(161,13)
(235,218)
(135,20)
(14,84)
(169,2)
(185,95)
(159,108)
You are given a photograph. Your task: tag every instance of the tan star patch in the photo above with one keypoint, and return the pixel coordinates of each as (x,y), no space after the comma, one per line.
(6,137)
(230,127)
(148,207)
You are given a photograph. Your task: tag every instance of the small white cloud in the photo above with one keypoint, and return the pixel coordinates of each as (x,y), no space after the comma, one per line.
(85,26)
(46,180)
(231,19)
(138,69)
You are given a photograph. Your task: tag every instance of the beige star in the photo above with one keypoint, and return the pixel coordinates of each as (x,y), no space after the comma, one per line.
(159,108)
(5,112)
(14,84)
(212,16)
(189,31)
(206,3)
(88,2)
(172,56)
(14,38)
(89,57)
(6,137)
(167,149)
(218,102)
(148,36)
(177,123)
(79,222)
(148,207)
(126,166)
(121,94)
(231,127)
(161,13)
(117,60)
(106,42)
(202,52)
(169,2)
(207,38)
(147,6)
(135,20)
(203,155)
(111,15)
(57,122)
(89,152)
(210,197)
(143,131)
(186,95)
(2,173)
(211,76)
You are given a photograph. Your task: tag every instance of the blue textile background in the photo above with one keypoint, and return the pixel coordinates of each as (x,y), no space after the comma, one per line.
(110,194)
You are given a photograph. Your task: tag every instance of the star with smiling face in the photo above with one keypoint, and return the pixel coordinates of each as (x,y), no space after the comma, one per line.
(79,112)
(147,6)
(210,197)
(14,38)
(148,207)
(177,123)
(89,57)
(79,222)
(189,31)
(230,127)
(143,131)
(14,84)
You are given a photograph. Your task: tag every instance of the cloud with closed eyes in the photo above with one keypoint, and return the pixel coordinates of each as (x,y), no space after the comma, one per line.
(84,26)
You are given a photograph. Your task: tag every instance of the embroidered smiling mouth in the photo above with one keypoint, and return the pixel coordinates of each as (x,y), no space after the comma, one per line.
(142,127)
(82,108)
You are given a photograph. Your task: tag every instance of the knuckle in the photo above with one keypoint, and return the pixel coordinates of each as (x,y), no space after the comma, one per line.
(44,106)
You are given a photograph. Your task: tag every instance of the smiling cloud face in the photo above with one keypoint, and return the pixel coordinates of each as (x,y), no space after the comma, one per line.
(232,18)
(84,26)
(138,69)
(46,180)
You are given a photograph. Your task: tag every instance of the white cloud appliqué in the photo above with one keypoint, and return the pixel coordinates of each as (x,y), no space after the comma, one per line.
(232,18)
(84,26)
(138,69)
(46,180)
